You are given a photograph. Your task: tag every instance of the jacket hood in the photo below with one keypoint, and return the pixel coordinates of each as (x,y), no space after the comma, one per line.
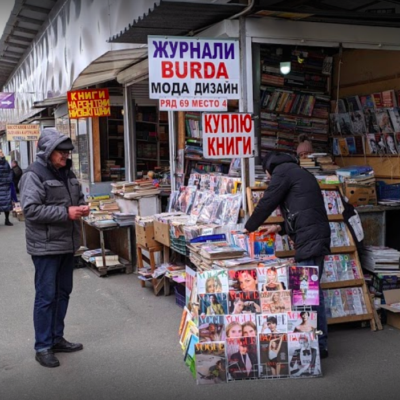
(49,139)
(273,159)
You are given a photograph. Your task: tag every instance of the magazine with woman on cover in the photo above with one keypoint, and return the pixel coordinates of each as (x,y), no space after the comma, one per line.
(275,302)
(303,281)
(273,355)
(242,358)
(213,281)
(213,303)
(244,302)
(272,323)
(211,328)
(272,278)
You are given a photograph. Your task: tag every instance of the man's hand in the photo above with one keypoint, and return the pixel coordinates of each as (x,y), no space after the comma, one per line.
(75,212)
(271,229)
(85,210)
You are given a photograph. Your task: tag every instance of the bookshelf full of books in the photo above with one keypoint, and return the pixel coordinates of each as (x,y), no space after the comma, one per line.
(194,160)
(152,136)
(296,103)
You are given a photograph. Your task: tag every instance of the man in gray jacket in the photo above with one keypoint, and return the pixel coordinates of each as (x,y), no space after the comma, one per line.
(52,202)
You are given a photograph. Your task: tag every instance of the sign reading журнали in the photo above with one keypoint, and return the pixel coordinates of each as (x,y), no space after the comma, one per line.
(228,135)
(89,103)
(190,68)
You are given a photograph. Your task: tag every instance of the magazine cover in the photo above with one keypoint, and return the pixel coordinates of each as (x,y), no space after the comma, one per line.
(243,280)
(345,123)
(261,245)
(390,143)
(343,267)
(302,321)
(271,278)
(198,203)
(336,303)
(358,122)
(380,143)
(329,273)
(217,208)
(242,358)
(231,210)
(189,329)
(213,281)
(173,201)
(211,328)
(370,121)
(397,138)
(353,301)
(384,123)
(274,360)
(240,325)
(272,323)
(275,302)
(304,360)
(304,284)
(213,304)
(210,363)
(394,119)
(330,199)
(283,243)
(244,302)
(207,210)
(190,357)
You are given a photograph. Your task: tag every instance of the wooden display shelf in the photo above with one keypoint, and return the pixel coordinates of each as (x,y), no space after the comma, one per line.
(343,249)
(342,284)
(292,115)
(351,318)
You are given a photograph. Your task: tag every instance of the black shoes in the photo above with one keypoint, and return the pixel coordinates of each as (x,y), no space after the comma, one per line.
(47,359)
(8,223)
(323,353)
(64,346)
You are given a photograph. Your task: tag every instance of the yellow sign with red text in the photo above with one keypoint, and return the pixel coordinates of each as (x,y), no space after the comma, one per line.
(89,103)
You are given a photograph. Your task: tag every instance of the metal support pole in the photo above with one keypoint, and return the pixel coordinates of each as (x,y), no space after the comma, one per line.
(129,140)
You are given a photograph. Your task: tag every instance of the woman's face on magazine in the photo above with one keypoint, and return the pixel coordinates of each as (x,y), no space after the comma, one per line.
(235,331)
(249,331)
(247,282)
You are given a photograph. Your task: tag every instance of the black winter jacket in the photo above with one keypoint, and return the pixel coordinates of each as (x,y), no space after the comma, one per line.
(5,188)
(297,193)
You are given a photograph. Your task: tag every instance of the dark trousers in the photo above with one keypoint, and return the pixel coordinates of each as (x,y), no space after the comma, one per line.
(53,285)
(322,324)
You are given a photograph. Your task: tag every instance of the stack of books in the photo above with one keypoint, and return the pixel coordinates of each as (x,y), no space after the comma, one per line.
(109,205)
(380,259)
(124,219)
(142,188)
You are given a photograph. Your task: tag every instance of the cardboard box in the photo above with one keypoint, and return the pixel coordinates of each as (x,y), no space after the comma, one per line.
(145,235)
(392,306)
(360,195)
(161,233)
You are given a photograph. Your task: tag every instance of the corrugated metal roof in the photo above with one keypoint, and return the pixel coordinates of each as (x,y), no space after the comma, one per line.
(349,12)
(171,18)
(26,20)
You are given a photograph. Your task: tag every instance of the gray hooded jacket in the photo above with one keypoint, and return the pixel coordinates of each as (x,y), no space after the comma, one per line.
(46,194)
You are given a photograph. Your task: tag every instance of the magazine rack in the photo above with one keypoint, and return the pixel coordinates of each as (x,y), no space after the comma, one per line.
(351,250)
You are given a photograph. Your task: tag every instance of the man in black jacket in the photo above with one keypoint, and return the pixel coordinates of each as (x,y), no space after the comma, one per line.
(299,196)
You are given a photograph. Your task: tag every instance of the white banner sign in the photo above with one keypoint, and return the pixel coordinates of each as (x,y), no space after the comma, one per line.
(199,104)
(184,67)
(228,135)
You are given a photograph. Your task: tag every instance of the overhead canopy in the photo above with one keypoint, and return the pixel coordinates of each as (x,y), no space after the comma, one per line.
(349,12)
(26,20)
(174,18)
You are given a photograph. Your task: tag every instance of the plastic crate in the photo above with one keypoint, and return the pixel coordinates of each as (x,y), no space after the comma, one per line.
(385,191)
(180,297)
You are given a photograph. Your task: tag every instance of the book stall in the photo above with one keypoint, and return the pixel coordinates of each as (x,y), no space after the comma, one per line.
(108,231)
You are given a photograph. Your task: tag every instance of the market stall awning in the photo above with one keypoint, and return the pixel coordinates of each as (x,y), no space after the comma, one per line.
(174,18)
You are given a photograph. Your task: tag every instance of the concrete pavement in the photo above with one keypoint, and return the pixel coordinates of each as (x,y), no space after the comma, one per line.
(131,348)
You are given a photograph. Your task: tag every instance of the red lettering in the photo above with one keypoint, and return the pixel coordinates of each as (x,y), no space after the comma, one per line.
(247,145)
(195,69)
(208,126)
(209,70)
(184,72)
(217,119)
(222,72)
(220,146)
(238,140)
(167,69)
(211,148)
(230,146)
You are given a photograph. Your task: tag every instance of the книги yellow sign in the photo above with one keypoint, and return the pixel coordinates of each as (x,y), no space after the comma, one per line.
(89,103)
